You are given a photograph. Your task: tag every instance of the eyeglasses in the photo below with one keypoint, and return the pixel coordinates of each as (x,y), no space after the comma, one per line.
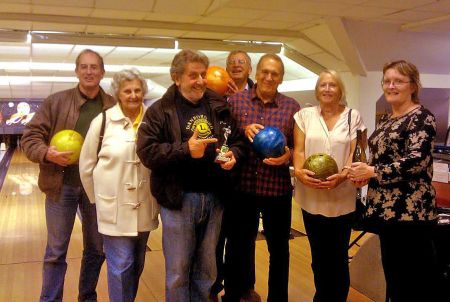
(237,62)
(395,83)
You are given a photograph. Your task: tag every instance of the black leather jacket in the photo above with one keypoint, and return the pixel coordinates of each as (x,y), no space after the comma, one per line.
(160,147)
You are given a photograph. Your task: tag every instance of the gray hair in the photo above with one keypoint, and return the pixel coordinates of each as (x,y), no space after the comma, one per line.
(274,57)
(127,75)
(235,52)
(87,50)
(185,57)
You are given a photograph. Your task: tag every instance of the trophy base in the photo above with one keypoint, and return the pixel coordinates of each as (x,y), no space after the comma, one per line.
(221,159)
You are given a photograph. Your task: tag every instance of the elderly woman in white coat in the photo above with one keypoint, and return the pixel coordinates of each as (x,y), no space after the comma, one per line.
(118,184)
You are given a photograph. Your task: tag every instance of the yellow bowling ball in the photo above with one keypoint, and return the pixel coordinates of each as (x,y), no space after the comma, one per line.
(68,140)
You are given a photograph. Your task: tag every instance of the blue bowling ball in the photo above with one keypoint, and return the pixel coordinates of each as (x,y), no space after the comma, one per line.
(269,142)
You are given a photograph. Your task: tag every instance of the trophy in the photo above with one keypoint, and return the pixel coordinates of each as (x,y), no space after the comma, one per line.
(221,158)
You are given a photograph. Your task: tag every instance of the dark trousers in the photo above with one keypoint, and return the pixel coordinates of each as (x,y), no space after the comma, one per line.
(329,238)
(220,253)
(409,263)
(243,214)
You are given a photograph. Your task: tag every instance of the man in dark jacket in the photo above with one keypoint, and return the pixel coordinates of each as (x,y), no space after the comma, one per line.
(69,109)
(177,141)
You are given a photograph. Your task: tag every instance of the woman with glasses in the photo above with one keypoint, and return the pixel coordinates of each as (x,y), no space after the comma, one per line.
(328,205)
(400,198)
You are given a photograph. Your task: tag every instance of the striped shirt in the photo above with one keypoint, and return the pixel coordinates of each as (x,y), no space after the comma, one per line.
(258,178)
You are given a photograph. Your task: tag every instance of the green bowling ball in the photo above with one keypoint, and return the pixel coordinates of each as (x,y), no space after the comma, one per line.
(323,165)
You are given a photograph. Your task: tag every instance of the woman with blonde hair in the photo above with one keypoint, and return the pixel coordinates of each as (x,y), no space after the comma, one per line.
(327,205)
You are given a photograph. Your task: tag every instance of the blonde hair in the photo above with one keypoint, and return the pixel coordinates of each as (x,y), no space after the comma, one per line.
(337,78)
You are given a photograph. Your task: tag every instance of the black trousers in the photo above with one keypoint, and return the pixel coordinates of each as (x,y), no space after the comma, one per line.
(243,220)
(329,238)
(409,263)
(220,253)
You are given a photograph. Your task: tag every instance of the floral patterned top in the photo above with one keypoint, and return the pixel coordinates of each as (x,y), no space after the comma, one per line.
(400,150)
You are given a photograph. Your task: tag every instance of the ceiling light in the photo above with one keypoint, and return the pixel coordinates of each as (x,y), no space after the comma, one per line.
(298,85)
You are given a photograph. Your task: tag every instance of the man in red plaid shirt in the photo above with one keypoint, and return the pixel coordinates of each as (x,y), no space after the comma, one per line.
(264,188)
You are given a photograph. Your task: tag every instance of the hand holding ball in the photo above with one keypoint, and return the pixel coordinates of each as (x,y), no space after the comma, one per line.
(217,79)
(269,142)
(68,140)
(323,165)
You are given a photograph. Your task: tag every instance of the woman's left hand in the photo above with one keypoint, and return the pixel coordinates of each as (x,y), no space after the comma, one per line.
(333,181)
(360,171)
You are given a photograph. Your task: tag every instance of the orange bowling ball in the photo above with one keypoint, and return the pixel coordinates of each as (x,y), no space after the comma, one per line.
(68,140)
(217,78)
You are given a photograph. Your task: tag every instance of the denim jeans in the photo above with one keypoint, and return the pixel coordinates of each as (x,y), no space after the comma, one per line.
(125,258)
(189,242)
(60,217)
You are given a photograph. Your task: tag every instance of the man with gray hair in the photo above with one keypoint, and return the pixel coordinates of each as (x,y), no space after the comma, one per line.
(239,67)
(176,140)
(264,188)
(60,181)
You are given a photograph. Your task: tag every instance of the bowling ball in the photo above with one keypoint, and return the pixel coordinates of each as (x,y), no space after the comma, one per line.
(217,79)
(68,140)
(269,142)
(323,165)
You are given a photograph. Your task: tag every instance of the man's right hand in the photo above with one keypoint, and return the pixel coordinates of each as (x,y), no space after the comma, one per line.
(232,88)
(197,145)
(251,130)
(59,158)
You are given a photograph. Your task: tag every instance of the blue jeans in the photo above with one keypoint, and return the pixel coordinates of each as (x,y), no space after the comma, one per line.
(189,242)
(60,218)
(125,258)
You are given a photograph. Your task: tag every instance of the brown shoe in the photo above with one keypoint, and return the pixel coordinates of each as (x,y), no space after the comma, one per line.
(251,296)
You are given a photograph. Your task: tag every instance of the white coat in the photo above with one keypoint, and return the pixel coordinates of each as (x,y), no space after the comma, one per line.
(115,180)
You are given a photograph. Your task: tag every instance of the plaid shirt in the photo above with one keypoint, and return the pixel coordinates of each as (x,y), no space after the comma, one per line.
(258,178)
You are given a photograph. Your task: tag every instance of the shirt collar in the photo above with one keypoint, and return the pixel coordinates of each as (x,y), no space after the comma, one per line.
(274,102)
(85,96)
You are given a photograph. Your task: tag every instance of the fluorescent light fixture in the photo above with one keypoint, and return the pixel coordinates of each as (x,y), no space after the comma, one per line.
(18,80)
(6,80)
(49,46)
(298,85)
(27,66)
(100,49)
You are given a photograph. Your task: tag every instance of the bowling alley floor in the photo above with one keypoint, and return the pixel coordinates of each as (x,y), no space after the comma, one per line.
(23,239)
